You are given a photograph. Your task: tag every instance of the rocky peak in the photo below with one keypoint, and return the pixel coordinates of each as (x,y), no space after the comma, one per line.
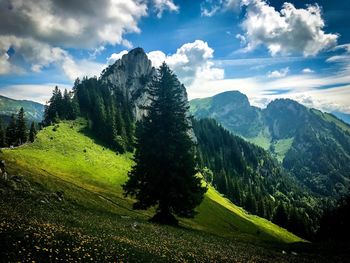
(131,75)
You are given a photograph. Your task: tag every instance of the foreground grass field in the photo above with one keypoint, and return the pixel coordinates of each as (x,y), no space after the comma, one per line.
(64,202)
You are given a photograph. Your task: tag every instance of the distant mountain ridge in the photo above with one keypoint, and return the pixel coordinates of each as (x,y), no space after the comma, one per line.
(314,146)
(34,111)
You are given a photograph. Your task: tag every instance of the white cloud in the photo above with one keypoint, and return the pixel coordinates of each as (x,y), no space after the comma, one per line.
(40,55)
(211,7)
(278,73)
(162,5)
(40,93)
(157,58)
(38,32)
(307,71)
(115,56)
(81,68)
(290,30)
(190,62)
(75,23)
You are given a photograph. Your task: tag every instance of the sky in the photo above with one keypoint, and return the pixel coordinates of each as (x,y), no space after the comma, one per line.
(265,49)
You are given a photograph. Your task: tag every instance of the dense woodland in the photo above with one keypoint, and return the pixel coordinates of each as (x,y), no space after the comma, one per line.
(17,131)
(250,177)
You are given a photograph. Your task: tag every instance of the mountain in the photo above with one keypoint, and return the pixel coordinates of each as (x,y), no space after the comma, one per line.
(232,110)
(313,146)
(70,189)
(34,111)
(342,116)
(249,176)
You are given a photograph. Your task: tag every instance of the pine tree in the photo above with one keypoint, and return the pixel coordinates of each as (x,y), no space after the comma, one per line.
(2,135)
(21,130)
(164,174)
(280,216)
(54,109)
(32,132)
(11,132)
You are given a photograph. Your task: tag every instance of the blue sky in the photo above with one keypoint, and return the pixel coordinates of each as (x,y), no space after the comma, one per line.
(267,50)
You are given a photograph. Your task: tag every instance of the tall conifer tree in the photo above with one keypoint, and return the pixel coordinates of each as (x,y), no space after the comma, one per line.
(21,130)
(32,132)
(2,135)
(11,134)
(164,174)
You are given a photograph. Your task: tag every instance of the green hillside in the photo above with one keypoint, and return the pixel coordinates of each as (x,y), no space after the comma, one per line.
(70,186)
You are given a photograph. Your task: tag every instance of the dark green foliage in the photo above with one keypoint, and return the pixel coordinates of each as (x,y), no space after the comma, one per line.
(2,134)
(319,157)
(60,107)
(11,131)
(32,132)
(54,107)
(16,131)
(21,129)
(280,216)
(164,174)
(108,110)
(335,222)
(250,177)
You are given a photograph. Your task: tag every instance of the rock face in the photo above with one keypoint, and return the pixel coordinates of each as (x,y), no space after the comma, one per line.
(131,74)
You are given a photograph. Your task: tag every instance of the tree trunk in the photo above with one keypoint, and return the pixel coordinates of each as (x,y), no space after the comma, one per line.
(165,217)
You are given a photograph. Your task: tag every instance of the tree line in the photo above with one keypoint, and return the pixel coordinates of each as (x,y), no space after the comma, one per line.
(105,107)
(16,132)
(251,178)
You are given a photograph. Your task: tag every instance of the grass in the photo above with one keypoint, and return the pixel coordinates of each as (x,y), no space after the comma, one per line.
(260,140)
(94,210)
(331,118)
(282,147)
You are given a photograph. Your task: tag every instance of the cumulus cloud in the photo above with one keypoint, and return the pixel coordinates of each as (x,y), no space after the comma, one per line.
(162,5)
(278,73)
(290,30)
(115,56)
(191,61)
(40,55)
(75,23)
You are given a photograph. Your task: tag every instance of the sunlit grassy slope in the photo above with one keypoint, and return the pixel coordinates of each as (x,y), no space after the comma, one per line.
(64,158)
(331,118)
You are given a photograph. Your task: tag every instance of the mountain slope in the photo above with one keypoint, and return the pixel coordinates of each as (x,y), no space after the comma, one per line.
(63,159)
(248,175)
(75,158)
(312,145)
(34,111)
